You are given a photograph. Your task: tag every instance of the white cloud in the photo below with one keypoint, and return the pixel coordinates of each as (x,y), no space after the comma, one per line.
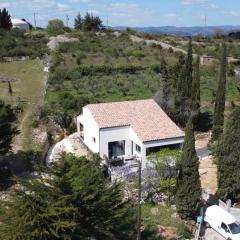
(4,5)
(189,2)
(81,1)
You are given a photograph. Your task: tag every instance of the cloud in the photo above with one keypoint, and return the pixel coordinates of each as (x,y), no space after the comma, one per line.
(190,2)
(80,1)
(4,5)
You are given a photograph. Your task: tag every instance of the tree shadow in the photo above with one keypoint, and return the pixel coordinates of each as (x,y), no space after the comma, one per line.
(21,164)
(204,122)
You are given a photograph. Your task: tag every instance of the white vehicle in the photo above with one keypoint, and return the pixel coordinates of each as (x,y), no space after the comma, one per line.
(223,222)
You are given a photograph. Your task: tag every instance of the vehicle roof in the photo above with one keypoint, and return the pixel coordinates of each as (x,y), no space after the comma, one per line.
(221,214)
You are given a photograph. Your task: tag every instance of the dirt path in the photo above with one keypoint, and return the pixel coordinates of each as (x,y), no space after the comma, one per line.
(207,168)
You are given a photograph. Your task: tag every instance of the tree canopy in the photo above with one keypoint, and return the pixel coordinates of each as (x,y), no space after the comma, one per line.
(188,181)
(5,20)
(55,26)
(218,116)
(228,159)
(76,201)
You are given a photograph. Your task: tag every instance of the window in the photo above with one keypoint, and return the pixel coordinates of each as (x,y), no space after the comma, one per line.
(234,227)
(94,139)
(116,149)
(224,227)
(138,148)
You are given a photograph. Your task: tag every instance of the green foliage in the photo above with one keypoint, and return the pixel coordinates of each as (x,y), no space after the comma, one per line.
(218,117)
(228,159)
(76,202)
(188,181)
(92,23)
(55,26)
(166,161)
(7,127)
(78,22)
(5,20)
(195,93)
(16,43)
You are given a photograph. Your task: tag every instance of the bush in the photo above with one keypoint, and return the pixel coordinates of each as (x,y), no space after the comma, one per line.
(55,26)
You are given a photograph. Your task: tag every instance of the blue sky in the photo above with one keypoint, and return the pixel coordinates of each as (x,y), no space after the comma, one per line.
(131,12)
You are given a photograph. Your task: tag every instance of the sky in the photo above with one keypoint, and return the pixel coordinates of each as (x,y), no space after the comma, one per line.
(133,13)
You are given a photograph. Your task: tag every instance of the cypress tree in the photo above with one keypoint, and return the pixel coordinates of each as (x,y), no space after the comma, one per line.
(228,156)
(218,117)
(5,20)
(78,22)
(76,202)
(32,213)
(188,182)
(185,78)
(195,92)
(8,127)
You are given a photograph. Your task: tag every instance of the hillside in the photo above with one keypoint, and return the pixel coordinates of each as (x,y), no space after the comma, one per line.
(111,67)
(182,31)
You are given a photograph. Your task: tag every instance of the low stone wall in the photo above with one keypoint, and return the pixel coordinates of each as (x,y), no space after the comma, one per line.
(17,58)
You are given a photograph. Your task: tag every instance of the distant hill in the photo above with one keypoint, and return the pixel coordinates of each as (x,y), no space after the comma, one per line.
(182,31)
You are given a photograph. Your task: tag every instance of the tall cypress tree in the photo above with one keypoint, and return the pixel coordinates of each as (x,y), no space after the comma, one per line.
(188,182)
(218,117)
(78,22)
(5,20)
(185,80)
(228,155)
(195,92)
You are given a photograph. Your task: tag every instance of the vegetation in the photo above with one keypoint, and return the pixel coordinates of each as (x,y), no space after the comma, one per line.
(76,202)
(166,162)
(55,26)
(228,159)
(27,76)
(15,43)
(188,182)
(154,216)
(8,131)
(5,20)
(218,117)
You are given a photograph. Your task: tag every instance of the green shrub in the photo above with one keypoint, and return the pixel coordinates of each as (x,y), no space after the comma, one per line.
(55,26)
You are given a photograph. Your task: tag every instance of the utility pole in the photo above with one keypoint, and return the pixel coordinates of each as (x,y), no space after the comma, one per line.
(67,20)
(205,25)
(35,22)
(107,21)
(139,210)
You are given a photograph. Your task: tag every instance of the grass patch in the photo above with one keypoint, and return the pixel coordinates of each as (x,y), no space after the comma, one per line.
(163,216)
(28,90)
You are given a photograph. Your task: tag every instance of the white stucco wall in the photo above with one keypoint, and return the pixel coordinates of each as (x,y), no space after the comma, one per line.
(91,130)
(114,134)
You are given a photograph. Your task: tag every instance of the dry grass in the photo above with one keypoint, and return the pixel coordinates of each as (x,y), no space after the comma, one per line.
(29,90)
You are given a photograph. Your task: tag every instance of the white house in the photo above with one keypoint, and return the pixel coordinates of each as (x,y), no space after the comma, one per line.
(127,129)
(21,24)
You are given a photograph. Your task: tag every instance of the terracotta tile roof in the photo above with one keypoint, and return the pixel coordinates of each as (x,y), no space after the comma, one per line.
(146,118)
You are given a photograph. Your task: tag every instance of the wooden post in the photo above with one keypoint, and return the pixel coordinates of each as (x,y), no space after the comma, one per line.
(139,210)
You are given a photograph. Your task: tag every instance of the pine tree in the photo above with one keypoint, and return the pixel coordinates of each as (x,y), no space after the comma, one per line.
(195,92)
(78,22)
(188,182)
(228,159)
(5,20)
(218,117)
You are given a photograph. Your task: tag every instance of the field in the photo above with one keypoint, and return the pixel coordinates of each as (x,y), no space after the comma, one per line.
(28,91)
